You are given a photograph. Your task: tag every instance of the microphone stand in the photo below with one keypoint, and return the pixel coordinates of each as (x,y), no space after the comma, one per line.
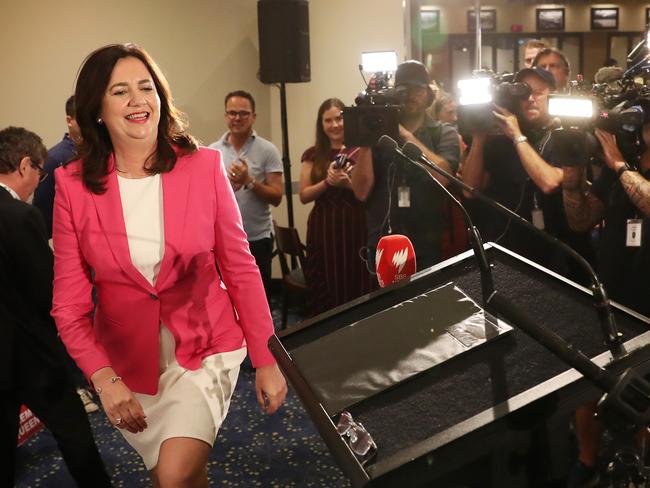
(613,339)
(487,283)
(628,395)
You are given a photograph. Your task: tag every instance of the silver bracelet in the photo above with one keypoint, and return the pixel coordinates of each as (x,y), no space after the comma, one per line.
(112,379)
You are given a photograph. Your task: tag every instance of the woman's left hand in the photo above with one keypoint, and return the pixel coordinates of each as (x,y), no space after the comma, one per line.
(271,388)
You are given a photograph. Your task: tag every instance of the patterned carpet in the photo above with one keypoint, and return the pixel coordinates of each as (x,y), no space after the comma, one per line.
(252,450)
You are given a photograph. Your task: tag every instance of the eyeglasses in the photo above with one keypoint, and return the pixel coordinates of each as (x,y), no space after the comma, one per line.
(243,114)
(42,174)
(360,440)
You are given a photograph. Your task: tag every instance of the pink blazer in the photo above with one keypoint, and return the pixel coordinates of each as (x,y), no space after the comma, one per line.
(201,222)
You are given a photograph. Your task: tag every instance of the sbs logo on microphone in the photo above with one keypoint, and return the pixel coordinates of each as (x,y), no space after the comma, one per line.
(399,260)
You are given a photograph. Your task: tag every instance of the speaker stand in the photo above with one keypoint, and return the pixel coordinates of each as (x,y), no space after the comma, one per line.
(286,162)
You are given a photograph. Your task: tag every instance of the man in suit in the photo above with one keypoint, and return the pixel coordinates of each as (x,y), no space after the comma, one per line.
(59,155)
(32,358)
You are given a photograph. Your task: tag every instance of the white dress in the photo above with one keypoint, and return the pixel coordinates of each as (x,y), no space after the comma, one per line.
(188,403)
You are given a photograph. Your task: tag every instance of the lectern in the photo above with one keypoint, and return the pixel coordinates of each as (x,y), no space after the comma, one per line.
(495,414)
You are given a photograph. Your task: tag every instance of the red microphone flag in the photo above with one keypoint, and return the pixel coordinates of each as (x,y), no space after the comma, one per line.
(394,259)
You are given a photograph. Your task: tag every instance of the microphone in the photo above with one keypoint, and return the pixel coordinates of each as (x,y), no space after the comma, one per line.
(394,259)
(628,395)
(487,284)
(612,337)
(608,74)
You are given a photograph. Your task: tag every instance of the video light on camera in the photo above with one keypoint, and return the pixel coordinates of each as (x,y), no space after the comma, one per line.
(578,108)
(379,61)
(475,91)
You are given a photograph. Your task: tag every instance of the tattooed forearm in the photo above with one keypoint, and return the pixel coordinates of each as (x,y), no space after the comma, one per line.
(638,190)
(576,209)
(582,209)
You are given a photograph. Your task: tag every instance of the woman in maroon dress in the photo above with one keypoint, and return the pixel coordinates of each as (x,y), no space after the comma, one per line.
(336,227)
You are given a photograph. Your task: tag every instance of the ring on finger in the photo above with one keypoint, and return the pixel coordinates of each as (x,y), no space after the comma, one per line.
(118,420)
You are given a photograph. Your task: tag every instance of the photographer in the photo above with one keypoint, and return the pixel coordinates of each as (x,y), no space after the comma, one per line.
(399,198)
(519,170)
(620,196)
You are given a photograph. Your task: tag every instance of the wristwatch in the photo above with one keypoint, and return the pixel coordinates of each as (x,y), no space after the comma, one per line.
(519,139)
(250,184)
(623,169)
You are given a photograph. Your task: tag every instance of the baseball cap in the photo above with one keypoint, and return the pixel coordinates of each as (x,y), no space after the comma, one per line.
(545,75)
(411,72)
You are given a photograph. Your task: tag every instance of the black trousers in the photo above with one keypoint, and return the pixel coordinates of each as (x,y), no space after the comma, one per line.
(58,406)
(262,251)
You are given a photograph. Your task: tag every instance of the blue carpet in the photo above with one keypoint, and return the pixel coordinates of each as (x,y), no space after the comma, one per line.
(251,450)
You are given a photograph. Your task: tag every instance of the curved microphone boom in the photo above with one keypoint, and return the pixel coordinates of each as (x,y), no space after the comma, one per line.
(487,284)
(613,339)
(627,395)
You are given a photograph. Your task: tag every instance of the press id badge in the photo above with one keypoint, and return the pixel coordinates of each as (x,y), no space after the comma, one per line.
(538,218)
(633,237)
(403,196)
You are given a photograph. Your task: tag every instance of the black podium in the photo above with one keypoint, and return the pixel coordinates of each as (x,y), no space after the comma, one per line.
(492,416)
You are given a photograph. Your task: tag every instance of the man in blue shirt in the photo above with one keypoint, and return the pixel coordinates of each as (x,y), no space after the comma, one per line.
(254,168)
(58,155)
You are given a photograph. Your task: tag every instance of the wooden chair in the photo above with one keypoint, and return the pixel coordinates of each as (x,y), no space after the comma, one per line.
(289,246)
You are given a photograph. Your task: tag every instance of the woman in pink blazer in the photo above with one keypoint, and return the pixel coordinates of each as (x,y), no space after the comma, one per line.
(150,220)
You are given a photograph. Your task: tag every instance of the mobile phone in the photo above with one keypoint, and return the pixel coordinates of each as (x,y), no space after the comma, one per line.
(340,160)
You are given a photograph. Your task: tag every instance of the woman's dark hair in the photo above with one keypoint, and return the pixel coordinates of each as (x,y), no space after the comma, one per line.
(323,147)
(96,147)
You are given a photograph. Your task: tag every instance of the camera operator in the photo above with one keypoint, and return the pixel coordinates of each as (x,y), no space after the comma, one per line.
(399,197)
(519,170)
(620,196)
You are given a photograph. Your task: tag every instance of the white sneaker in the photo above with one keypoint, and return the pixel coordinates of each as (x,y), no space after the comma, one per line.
(87,399)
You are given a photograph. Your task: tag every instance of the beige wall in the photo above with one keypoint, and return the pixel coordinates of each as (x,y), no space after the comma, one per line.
(205,47)
(339,32)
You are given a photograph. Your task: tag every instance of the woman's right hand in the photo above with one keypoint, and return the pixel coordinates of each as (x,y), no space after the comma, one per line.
(122,408)
(338,177)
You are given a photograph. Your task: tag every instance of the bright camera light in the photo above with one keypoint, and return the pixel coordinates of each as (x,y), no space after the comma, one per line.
(373,62)
(579,108)
(475,91)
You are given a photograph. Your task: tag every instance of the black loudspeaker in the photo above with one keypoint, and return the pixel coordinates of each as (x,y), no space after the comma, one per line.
(283,27)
